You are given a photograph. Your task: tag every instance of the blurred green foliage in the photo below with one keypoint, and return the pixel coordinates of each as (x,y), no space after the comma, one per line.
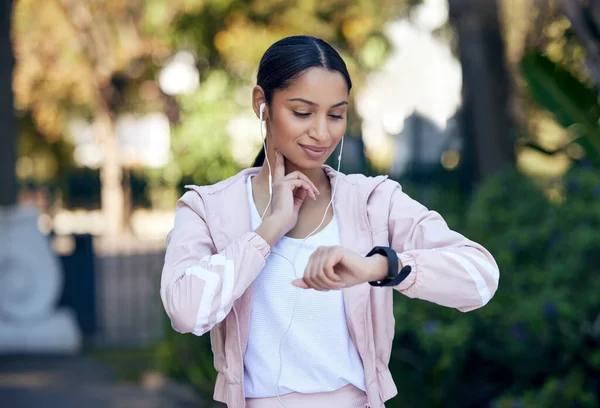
(86,58)
(228,38)
(536,344)
(189,359)
(200,144)
(572,102)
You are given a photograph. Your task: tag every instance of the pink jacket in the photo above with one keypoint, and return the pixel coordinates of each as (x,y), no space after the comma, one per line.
(213,257)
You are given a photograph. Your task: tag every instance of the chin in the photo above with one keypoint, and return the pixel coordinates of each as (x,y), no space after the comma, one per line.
(310,164)
(314,164)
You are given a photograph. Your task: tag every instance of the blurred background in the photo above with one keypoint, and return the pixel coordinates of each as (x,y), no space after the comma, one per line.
(485,110)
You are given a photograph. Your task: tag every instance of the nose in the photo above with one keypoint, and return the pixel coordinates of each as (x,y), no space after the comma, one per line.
(321,130)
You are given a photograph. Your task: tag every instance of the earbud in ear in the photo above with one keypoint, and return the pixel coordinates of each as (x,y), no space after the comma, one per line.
(262,110)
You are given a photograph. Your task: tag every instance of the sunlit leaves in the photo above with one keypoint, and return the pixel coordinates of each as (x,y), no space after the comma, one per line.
(83,54)
(201,144)
(68,50)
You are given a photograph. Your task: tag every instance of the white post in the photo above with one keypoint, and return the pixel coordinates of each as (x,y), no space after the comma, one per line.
(30,287)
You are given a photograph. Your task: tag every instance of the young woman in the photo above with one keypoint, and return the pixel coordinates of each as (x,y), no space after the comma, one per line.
(291,265)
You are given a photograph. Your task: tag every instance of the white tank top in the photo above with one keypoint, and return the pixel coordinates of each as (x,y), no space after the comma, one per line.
(318,354)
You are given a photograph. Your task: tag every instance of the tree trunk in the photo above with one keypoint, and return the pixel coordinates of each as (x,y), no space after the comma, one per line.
(585,20)
(8,123)
(486,121)
(111,174)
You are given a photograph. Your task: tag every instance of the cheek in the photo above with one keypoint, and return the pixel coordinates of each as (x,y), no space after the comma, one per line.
(289,128)
(337,129)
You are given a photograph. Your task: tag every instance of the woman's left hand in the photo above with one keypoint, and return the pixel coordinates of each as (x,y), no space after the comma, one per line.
(334,268)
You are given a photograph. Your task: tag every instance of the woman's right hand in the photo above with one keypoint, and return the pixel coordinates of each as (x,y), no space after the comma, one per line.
(289,192)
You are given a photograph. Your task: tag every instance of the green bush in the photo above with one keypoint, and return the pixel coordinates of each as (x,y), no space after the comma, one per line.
(536,344)
(189,359)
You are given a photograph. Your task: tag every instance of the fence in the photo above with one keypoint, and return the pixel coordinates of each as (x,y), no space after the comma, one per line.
(128,306)
(113,288)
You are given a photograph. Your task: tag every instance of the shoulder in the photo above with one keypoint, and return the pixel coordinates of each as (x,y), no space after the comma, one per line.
(358,182)
(195,197)
(373,189)
(391,195)
(224,185)
(388,201)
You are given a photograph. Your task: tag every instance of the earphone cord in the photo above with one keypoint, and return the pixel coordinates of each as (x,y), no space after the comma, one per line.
(293,261)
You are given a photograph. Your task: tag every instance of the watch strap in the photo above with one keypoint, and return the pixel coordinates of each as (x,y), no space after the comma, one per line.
(393,277)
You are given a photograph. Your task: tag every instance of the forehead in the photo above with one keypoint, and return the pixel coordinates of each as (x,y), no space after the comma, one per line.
(317,85)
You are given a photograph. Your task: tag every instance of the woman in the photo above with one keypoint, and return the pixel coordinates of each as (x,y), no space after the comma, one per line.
(291,265)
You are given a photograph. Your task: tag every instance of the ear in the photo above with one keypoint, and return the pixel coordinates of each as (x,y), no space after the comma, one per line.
(258,98)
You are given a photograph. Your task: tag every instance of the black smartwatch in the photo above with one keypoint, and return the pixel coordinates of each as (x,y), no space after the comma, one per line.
(393,277)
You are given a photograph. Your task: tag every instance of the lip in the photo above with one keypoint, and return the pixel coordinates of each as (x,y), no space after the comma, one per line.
(314,152)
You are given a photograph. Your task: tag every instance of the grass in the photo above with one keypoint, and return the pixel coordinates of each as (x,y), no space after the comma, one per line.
(128,363)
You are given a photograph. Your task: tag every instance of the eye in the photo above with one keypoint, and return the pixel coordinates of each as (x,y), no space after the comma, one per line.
(302,114)
(336,117)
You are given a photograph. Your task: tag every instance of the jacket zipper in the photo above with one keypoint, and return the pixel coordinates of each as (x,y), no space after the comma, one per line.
(237,325)
(366,328)
(235,314)
(366,313)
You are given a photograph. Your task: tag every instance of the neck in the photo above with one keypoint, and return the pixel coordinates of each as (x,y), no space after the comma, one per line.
(316,175)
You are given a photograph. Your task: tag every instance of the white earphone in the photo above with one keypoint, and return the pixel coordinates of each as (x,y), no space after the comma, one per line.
(261,110)
(264,139)
(292,262)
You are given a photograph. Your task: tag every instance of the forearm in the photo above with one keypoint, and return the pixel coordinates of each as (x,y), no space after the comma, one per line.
(462,277)
(191,281)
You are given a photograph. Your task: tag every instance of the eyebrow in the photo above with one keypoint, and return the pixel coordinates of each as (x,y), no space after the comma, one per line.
(315,104)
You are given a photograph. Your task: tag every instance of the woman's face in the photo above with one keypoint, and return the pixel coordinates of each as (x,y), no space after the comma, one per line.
(308,119)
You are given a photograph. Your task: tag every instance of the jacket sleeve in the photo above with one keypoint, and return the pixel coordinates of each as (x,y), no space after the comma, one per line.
(447,268)
(198,286)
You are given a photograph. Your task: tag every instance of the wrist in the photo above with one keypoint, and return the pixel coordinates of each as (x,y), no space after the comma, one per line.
(270,230)
(379,268)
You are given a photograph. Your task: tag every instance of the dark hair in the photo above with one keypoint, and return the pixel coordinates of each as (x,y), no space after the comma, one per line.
(289,58)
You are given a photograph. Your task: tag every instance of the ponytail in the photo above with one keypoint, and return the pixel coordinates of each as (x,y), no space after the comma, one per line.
(260,158)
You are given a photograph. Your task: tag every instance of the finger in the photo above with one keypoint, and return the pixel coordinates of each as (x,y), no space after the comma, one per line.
(305,180)
(302,176)
(326,275)
(317,273)
(279,172)
(300,283)
(297,184)
(310,271)
(332,260)
(317,278)
(299,196)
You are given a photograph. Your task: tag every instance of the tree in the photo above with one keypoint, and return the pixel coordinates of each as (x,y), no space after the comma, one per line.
(233,35)
(487,125)
(8,151)
(95,59)
(585,19)
(553,57)
(87,59)
(228,38)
